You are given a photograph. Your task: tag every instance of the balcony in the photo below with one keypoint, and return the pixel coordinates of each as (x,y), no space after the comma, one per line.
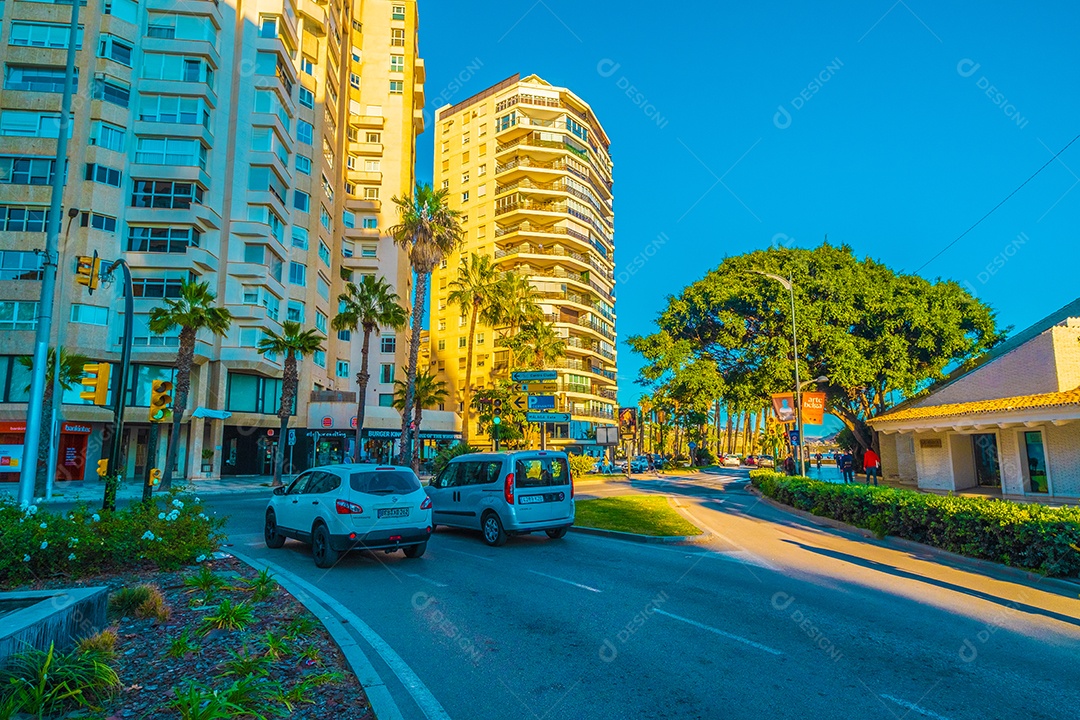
(559,252)
(591,346)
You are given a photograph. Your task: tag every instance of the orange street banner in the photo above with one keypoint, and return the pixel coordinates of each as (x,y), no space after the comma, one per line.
(813,408)
(784,406)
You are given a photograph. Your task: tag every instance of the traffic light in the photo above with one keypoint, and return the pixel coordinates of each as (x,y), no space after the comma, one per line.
(97,382)
(102,467)
(155,476)
(87,270)
(496,409)
(160,400)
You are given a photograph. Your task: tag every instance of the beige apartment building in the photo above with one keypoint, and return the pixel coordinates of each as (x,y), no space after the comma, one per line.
(254,145)
(527,165)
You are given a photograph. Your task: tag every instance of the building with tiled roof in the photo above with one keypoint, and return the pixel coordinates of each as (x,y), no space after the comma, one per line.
(1012,421)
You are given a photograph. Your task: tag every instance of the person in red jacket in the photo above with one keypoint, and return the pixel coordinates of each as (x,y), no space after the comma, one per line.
(872,465)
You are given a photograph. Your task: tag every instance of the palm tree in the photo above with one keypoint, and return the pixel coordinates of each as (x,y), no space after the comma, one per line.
(517,305)
(71,371)
(369,305)
(192,311)
(427,392)
(429,230)
(475,292)
(538,345)
(294,342)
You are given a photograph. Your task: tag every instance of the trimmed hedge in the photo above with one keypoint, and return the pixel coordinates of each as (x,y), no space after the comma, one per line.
(1030,536)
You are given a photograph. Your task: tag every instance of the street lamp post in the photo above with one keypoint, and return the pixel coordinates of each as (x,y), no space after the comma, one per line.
(58,388)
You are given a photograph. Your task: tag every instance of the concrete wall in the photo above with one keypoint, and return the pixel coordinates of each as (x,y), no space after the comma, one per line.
(1067,353)
(1063,458)
(934,465)
(963,461)
(905,457)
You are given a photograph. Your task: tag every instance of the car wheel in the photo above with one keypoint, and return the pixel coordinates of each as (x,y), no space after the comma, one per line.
(325,556)
(434,527)
(494,534)
(415,551)
(271,536)
(557,533)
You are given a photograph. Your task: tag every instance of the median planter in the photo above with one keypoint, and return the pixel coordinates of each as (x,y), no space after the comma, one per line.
(1033,537)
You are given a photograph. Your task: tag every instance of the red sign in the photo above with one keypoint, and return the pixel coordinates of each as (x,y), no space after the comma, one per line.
(353,421)
(12,427)
(328,421)
(270,432)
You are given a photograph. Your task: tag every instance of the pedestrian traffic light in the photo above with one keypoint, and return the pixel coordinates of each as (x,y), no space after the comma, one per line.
(155,476)
(87,270)
(102,467)
(160,400)
(97,382)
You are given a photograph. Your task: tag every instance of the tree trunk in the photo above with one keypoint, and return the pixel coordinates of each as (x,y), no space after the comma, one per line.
(362,379)
(45,442)
(416,445)
(289,382)
(466,395)
(414,352)
(184,358)
(727,431)
(757,426)
(747,417)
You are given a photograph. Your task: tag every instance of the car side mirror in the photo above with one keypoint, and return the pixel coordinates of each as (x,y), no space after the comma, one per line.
(279,490)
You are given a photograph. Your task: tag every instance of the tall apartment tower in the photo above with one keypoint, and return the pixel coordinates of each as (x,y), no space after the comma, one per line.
(250,144)
(527,165)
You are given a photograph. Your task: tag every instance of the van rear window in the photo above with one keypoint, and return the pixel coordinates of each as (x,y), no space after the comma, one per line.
(542,472)
(384,482)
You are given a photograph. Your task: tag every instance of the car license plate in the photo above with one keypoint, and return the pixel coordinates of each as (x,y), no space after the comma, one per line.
(394,512)
(530,499)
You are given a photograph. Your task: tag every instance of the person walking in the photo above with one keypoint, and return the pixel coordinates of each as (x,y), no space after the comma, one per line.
(847,467)
(872,466)
(789,465)
(818,459)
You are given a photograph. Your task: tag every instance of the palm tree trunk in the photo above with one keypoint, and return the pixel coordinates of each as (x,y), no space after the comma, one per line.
(466,395)
(184,357)
(728,435)
(414,353)
(362,379)
(416,445)
(289,382)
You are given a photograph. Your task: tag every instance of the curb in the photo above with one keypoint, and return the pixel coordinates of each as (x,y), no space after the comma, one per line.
(638,538)
(1058,585)
(378,695)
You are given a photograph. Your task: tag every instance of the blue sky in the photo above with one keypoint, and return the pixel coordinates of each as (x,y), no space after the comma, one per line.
(889,127)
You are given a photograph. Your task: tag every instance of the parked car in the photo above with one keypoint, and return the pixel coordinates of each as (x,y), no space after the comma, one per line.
(338,508)
(639,464)
(750,461)
(766,461)
(502,494)
(731,461)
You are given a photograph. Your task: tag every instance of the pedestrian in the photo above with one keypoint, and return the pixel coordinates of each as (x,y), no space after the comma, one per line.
(847,467)
(789,465)
(872,465)
(651,464)
(818,458)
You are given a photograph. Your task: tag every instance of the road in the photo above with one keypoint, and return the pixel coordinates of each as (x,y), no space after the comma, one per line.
(773,617)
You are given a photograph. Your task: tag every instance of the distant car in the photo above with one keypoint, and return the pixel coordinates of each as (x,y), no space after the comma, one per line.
(639,464)
(765,461)
(731,461)
(750,461)
(338,508)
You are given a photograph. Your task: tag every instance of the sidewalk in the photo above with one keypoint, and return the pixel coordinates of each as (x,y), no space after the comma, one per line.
(94,490)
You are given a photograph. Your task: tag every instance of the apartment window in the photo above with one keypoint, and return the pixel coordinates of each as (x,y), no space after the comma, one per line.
(307,98)
(324,253)
(479,338)
(111,91)
(482,170)
(322,286)
(344,336)
(89,314)
(43,35)
(36,78)
(254,253)
(341,369)
(172,240)
(301,201)
(373,165)
(506,121)
(26,170)
(577,128)
(298,274)
(307,65)
(388,344)
(397,38)
(106,135)
(465,176)
(324,218)
(348,219)
(96,221)
(27,123)
(155,287)
(369,250)
(397,87)
(442,325)
(483,129)
(20,265)
(165,194)
(397,63)
(371,193)
(354,80)
(266,139)
(445,184)
(373,137)
(481,191)
(180,27)
(115,49)
(327,188)
(18,315)
(265,178)
(303,164)
(465,196)
(319,358)
(371,222)
(305,133)
(23,218)
(386,373)
(160,66)
(170,151)
(295,311)
(300,237)
(268,101)
(462,342)
(347,250)
(357,26)
(268,26)
(397,12)
(465,138)
(320,321)
(174,109)
(442,345)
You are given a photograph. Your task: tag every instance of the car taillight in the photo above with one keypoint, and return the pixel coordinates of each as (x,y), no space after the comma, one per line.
(426,505)
(508,489)
(571,486)
(344,507)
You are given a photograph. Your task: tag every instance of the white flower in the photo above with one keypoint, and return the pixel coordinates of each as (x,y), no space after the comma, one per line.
(95,517)
(30,509)
(44,544)
(172,516)
(71,556)
(43,525)
(26,558)
(148,535)
(177,504)
(73,541)
(200,558)
(158,539)
(161,516)
(197,499)
(203,516)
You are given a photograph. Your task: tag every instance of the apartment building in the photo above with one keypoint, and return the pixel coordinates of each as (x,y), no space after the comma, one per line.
(251,145)
(527,164)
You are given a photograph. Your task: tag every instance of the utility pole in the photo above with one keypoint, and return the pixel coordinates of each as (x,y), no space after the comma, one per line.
(48,276)
(119,390)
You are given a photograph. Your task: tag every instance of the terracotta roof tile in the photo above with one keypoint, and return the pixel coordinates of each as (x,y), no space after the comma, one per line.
(1022,402)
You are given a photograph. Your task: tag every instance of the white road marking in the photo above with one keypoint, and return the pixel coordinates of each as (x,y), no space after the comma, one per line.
(436,583)
(721,633)
(913,707)
(460,552)
(563,580)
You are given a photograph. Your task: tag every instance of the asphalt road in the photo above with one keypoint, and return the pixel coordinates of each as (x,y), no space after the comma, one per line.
(774,617)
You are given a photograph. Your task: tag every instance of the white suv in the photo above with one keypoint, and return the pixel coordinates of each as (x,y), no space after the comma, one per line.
(338,508)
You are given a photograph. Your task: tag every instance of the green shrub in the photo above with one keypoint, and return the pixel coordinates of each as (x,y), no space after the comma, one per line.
(449,453)
(44,684)
(581,464)
(182,645)
(1023,535)
(141,601)
(103,643)
(228,616)
(168,532)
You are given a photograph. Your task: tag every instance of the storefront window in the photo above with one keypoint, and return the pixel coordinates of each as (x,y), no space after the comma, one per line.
(1035,452)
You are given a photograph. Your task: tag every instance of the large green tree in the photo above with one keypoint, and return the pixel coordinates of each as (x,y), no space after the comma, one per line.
(475,291)
(879,335)
(194,310)
(429,392)
(517,305)
(429,230)
(367,306)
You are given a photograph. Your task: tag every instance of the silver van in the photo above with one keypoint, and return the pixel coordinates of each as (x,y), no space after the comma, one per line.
(504,494)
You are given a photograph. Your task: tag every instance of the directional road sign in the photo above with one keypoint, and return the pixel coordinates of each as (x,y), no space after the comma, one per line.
(519,401)
(547,417)
(541,402)
(539,387)
(534,375)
